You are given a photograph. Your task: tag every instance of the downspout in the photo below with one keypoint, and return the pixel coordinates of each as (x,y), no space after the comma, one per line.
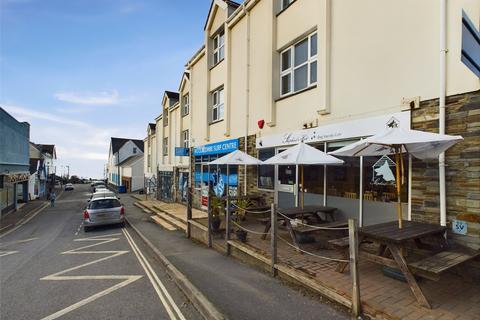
(247,104)
(442,93)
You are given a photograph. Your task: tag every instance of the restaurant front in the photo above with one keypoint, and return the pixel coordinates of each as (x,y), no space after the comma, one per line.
(363,187)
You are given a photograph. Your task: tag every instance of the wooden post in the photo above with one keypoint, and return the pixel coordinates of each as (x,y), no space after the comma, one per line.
(353,242)
(228,218)
(399,187)
(189,210)
(273,239)
(145,187)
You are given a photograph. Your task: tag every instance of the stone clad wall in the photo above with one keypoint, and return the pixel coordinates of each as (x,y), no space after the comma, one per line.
(462,171)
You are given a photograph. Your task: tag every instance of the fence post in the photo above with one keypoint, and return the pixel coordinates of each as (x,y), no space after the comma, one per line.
(353,245)
(273,239)
(189,211)
(228,223)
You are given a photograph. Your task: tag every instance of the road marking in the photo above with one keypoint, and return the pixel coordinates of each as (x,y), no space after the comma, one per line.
(79,228)
(5,227)
(6,253)
(59,276)
(24,220)
(3,245)
(156,283)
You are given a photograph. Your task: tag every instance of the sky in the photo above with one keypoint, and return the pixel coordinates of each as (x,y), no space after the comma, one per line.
(82,71)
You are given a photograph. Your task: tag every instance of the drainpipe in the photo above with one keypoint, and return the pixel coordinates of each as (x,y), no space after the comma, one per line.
(441,159)
(247,113)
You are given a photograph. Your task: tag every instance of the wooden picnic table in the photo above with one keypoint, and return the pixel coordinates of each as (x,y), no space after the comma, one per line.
(393,240)
(287,214)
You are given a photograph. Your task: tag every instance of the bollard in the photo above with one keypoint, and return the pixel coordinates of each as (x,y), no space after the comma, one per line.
(189,211)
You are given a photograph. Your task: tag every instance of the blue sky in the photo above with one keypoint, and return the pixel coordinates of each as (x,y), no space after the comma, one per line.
(81,71)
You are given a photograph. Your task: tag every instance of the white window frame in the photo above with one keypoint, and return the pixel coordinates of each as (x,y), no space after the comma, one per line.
(186,104)
(291,70)
(185,139)
(218,106)
(218,47)
(165,146)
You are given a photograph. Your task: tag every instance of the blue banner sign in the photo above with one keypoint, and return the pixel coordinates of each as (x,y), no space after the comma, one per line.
(181,152)
(226,146)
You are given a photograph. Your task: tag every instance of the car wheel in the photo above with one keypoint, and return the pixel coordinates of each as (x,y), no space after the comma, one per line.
(86,229)
(122,224)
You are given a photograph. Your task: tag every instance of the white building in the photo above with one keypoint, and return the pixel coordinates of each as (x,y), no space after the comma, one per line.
(123,156)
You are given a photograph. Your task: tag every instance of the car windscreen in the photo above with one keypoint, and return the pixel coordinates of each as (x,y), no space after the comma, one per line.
(104,204)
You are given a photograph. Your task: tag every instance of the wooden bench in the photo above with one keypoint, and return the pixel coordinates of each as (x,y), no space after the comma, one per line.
(431,267)
(342,245)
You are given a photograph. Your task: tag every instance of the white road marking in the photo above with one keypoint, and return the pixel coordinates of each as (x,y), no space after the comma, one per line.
(24,220)
(5,227)
(3,245)
(59,276)
(6,253)
(156,283)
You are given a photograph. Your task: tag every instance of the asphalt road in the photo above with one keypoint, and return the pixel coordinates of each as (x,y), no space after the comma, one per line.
(50,268)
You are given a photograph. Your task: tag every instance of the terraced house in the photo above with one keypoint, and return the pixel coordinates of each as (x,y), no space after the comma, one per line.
(272,73)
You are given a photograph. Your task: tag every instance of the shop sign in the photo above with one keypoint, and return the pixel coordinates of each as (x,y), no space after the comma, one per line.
(226,146)
(181,152)
(383,172)
(339,131)
(459,227)
(17,177)
(204,196)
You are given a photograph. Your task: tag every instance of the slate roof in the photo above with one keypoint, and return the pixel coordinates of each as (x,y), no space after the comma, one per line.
(33,165)
(117,143)
(152,127)
(173,96)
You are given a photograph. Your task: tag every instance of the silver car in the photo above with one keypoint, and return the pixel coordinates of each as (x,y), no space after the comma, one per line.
(103,211)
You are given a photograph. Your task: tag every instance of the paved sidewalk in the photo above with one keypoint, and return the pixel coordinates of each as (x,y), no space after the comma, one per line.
(15,218)
(236,289)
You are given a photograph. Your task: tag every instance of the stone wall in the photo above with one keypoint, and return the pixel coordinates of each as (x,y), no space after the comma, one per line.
(462,166)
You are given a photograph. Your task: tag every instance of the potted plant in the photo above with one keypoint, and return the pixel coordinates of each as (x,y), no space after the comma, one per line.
(216,205)
(242,205)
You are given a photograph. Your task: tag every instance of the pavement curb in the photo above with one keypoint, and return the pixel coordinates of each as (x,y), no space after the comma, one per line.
(201,303)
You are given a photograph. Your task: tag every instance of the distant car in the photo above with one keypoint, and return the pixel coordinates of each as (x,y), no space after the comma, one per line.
(69,187)
(98,184)
(103,211)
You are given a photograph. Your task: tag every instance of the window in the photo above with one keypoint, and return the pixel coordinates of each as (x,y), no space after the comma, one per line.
(218,47)
(218,106)
(185,104)
(165,117)
(165,146)
(134,150)
(266,173)
(185,138)
(285,3)
(298,67)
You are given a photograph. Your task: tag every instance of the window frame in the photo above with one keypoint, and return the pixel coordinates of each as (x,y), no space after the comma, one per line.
(218,48)
(165,146)
(219,106)
(185,138)
(185,105)
(311,59)
(262,188)
(165,117)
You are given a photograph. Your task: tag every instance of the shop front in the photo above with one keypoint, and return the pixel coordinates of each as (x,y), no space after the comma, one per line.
(213,179)
(363,187)
(13,190)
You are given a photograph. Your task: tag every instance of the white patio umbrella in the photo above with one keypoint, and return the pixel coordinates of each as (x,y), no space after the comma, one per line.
(303,154)
(420,144)
(236,157)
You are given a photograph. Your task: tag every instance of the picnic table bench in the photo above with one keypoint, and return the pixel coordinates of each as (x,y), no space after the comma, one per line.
(303,229)
(393,240)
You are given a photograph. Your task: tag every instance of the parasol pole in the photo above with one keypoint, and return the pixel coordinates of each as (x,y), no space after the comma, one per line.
(303,188)
(399,186)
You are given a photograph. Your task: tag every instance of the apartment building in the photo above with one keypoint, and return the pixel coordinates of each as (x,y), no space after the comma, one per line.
(125,166)
(271,73)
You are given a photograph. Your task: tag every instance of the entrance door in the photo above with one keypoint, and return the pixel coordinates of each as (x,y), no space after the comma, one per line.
(286,185)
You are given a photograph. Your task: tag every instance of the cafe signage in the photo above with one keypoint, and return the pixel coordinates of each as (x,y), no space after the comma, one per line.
(17,177)
(338,131)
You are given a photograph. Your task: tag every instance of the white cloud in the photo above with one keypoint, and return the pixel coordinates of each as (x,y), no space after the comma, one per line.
(25,114)
(100,98)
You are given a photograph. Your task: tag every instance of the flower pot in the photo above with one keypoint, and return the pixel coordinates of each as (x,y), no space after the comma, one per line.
(216,223)
(241,235)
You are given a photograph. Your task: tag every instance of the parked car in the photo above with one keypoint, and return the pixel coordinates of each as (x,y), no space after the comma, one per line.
(103,211)
(98,185)
(102,194)
(69,187)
